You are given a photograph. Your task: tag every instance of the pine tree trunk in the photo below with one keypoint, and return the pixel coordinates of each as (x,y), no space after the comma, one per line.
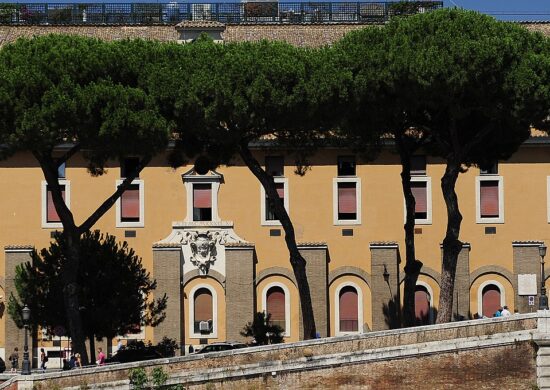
(451,243)
(297,262)
(92,349)
(70,294)
(412,266)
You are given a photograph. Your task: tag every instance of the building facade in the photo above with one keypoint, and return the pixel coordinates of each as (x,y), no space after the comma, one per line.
(212,243)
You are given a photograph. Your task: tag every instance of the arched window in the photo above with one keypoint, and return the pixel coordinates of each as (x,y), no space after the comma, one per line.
(275,305)
(349,312)
(422,305)
(203,314)
(491,300)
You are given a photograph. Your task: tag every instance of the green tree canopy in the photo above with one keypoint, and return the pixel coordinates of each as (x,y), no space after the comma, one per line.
(60,95)
(115,289)
(226,97)
(471,87)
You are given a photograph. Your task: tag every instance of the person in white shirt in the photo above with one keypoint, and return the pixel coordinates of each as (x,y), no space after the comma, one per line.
(506,312)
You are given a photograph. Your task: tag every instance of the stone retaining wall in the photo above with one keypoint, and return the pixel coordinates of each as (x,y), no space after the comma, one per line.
(297,34)
(470,351)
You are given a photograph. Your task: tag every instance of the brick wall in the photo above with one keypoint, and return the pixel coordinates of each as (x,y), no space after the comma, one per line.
(470,354)
(239,290)
(167,266)
(510,367)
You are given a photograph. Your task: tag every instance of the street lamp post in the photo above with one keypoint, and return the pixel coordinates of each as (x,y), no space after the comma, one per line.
(26,367)
(543,301)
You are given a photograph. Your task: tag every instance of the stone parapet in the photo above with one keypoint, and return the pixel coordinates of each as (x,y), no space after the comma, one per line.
(466,354)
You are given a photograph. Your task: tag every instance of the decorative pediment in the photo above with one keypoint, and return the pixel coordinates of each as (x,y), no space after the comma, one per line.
(193,176)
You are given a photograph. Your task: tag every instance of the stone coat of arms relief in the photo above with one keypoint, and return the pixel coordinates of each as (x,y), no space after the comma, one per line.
(203,249)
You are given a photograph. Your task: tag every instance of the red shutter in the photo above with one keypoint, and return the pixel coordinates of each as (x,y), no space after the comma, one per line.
(348,308)
(491,300)
(203,305)
(129,203)
(420,194)
(422,305)
(348,304)
(347,202)
(280,190)
(488,198)
(202,196)
(51,211)
(276,304)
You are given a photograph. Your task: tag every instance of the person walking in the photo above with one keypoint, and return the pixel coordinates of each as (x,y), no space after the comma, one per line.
(505,312)
(43,360)
(100,357)
(14,359)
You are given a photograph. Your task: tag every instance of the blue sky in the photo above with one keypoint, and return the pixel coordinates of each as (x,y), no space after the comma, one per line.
(507,9)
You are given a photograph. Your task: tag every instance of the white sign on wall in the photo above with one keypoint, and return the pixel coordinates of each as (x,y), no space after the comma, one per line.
(527,284)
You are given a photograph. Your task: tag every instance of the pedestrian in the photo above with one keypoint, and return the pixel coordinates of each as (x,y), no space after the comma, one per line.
(100,357)
(43,360)
(78,361)
(14,359)
(506,312)
(119,346)
(72,361)
(498,313)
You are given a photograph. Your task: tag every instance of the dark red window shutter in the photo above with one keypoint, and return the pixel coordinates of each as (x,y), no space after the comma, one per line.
(420,193)
(51,211)
(280,189)
(202,196)
(203,305)
(275,303)
(129,203)
(347,198)
(349,310)
(422,305)
(488,198)
(490,300)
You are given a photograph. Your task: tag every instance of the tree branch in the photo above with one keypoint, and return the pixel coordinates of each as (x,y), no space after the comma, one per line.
(63,159)
(110,201)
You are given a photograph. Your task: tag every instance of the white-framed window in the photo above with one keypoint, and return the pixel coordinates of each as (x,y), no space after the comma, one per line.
(276,301)
(203,312)
(421,187)
(50,219)
(490,297)
(346,200)
(348,311)
(489,199)
(202,195)
(130,206)
(267,209)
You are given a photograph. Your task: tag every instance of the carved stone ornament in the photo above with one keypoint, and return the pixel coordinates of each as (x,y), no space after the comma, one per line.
(203,247)
(202,244)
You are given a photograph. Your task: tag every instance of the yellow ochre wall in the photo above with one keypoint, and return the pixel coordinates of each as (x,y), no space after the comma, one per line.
(311,209)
